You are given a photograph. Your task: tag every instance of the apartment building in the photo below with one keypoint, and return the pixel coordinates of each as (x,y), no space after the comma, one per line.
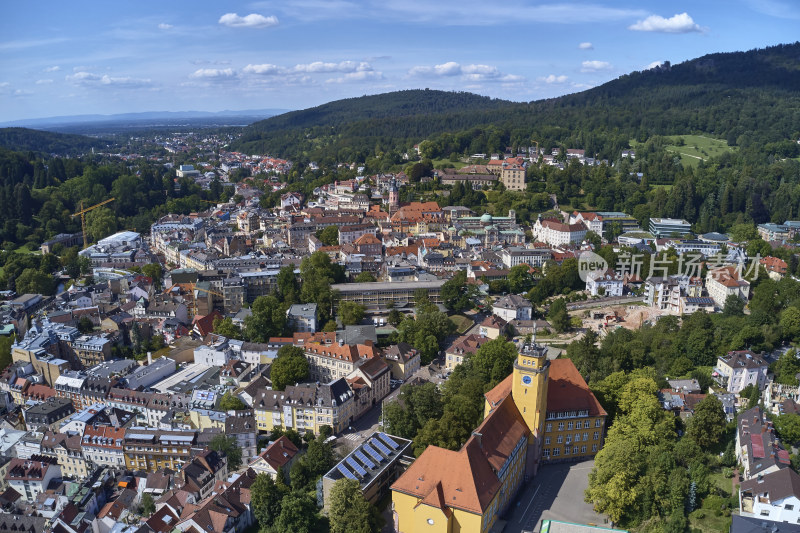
(150,450)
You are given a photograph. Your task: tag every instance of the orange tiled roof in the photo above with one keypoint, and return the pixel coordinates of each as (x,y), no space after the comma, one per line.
(567,390)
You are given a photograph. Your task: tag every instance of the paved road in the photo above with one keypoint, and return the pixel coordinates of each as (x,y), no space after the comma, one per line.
(556,493)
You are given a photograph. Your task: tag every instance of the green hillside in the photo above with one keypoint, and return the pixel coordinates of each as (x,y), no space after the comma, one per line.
(47,142)
(726,95)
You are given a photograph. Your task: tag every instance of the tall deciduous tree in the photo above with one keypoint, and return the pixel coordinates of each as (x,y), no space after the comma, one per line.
(227,446)
(708,422)
(349,511)
(290,367)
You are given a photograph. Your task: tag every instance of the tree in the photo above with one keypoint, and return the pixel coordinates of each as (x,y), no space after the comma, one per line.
(32,281)
(558,315)
(395,317)
(790,322)
(5,350)
(297,515)
(348,511)
(226,328)
(786,368)
(365,277)
(85,325)
(743,232)
(495,359)
(788,428)
(734,306)
(288,287)
(227,446)
(520,279)
(289,367)
(265,500)
(154,272)
(351,313)
(329,236)
(101,222)
(318,273)
(753,395)
(148,505)
(456,294)
(708,422)
(268,319)
(229,402)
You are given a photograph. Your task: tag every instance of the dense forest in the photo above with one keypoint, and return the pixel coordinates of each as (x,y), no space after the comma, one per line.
(742,97)
(24,139)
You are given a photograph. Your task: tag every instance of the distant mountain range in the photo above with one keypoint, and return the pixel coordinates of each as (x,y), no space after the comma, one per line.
(160,118)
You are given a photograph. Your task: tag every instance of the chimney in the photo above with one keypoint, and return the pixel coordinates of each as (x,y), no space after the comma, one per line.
(149,358)
(479,438)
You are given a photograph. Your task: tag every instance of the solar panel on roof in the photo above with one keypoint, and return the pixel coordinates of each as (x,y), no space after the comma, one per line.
(357,467)
(373,453)
(378,444)
(345,472)
(389,440)
(363,458)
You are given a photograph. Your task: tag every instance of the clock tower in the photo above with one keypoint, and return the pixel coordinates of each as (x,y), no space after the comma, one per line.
(529,391)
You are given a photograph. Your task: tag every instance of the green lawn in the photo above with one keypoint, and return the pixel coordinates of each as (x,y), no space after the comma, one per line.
(462,323)
(437,163)
(710,523)
(698,147)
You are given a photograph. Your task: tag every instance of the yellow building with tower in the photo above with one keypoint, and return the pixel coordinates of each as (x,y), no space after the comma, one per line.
(467,490)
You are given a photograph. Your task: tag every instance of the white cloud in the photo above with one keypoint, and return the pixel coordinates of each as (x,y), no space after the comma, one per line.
(4,84)
(552,78)
(43,82)
(361,75)
(83,77)
(213,73)
(343,66)
(91,79)
(20,92)
(265,69)
(164,26)
(586,46)
(54,68)
(253,20)
(679,23)
(654,64)
(471,73)
(594,66)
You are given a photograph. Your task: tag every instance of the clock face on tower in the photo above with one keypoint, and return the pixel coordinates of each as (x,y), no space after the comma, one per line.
(526,380)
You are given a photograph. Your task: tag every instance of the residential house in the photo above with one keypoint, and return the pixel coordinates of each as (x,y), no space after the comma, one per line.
(241,425)
(738,369)
(279,454)
(102,445)
(403,360)
(556,233)
(774,496)
(31,477)
(513,307)
(726,281)
(604,283)
(757,448)
(462,347)
(302,317)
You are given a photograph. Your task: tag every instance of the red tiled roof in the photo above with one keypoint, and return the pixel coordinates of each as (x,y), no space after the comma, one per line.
(567,390)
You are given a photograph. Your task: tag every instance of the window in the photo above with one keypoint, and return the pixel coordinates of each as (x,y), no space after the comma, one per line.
(583,449)
(577,437)
(569,425)
(575,450)
(560,439)
(594,447)
(765,512)
(556,451)
(587,423)
(546,452)
(549,428)
(561,426)
(788,507)
(547,440)
(596,435)
(585,436)
(566,450)
(597,423)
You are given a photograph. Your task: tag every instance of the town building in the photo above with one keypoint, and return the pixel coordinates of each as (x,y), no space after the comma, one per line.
(726,281)
(738,369)
(150,450)
(461,348)
(604,283)
(556,233)
(379,295)
(31,477)
(302,317)
(513,307)
(757,448)
(774,496)
(278,455)
(669,227)
(403,360)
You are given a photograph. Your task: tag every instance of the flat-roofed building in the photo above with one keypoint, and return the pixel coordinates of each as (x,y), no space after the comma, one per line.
(375,464)
(669,227)
(379,295)
(150,450)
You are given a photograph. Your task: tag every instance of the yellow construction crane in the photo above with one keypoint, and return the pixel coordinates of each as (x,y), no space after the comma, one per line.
(82,214)
(195,288)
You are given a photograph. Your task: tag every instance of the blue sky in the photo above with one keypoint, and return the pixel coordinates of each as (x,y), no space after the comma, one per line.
(79,57)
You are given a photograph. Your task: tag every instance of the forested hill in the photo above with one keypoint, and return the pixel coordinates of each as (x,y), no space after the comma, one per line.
(46,142)
(725,95)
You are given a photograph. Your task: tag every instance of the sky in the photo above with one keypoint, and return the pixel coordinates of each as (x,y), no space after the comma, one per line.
(79,57)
